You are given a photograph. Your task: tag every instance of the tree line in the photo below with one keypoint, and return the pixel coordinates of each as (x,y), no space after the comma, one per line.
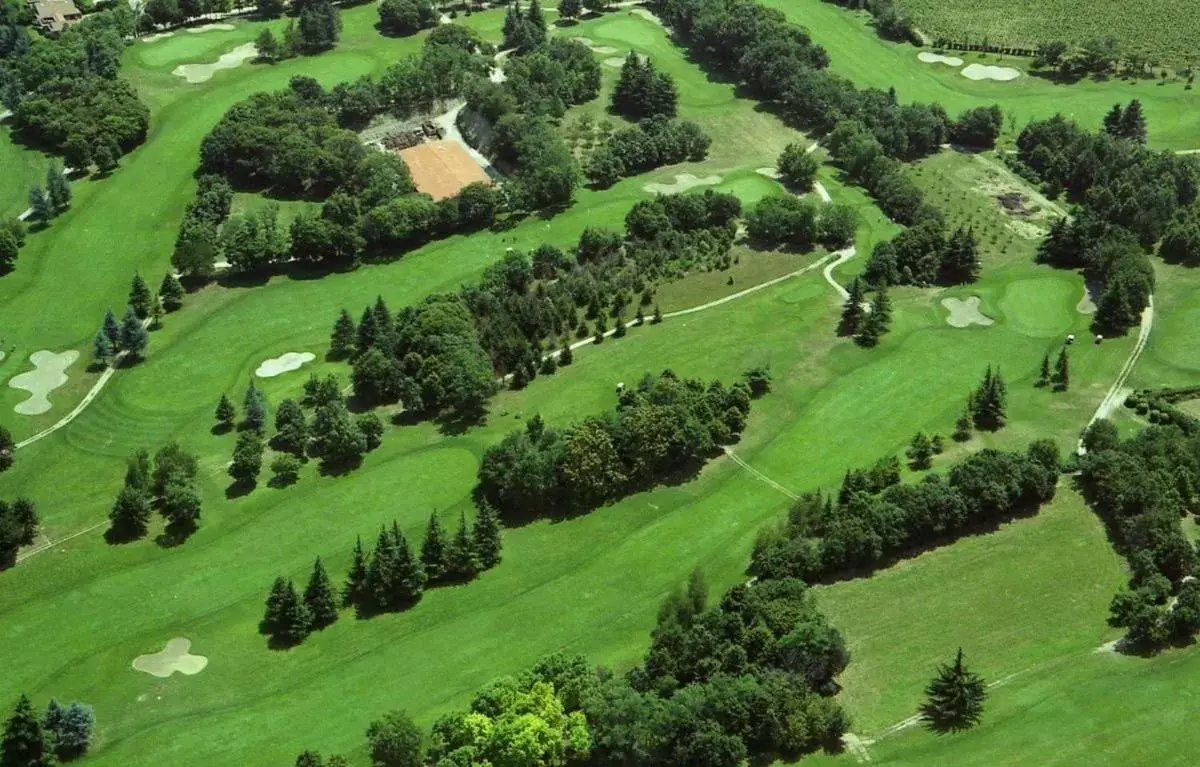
(660,427)
(18,521)
(651,143)
(748,678)
(1129,199)
(316,27)
(62,733)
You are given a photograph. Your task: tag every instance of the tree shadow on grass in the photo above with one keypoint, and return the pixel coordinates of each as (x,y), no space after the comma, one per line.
(176,534)
(119,535)
(240,488)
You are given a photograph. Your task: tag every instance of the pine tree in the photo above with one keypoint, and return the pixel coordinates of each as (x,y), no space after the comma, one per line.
(964,426)
(409,582)
(566,356)
(58,189)
(318,597)
(112,330)
(1113,121)
(433,549)
(486,535)
(41,208)
(960,260)
(536,19)
(1133,123)
(657,316)
(341,340)
(287,618)
(639,318)
(102,348)
(171,291)
(619,330)
(139,297)
(134,338)
(462,563)
(367,331)
(852,312)
(130,515)
(247,458)
(988,403)
(920,452)
(954,699)
(1044,375)
(226,413)
(255,407)
(1062,372)
(384,326)
(381,571)
(881,306)
(24,744)
(291,429)
(156,312)
(356,578)
(8,447)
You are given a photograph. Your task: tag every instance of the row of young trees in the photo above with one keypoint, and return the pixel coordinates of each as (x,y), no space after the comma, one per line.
(874,519)
(651,143)
(867,322)
(62,733)
(166,482)
(660,427)
(18,521)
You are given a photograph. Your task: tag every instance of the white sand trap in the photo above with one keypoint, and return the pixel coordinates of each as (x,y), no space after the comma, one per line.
(158,36)
(208,28)
(174,657)
(683,182)
(965,313)
(937,58)
(202,73)
(769,173)
(647,15)
(1086,305)
(985,72)
(285,363)
(48,374)
(601,49)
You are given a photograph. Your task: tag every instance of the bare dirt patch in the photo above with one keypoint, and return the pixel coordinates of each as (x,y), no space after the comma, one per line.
(936,58)
(441,168)
(173,657)
(964,313)
(202,73)
(683,182)
(48,374)
(988,72)
(284,363)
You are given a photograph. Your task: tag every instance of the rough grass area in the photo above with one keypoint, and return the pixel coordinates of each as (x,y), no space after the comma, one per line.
(1166,31)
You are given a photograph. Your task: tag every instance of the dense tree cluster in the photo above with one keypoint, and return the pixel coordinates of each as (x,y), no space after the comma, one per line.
(923,255)
(786,219)
(643,91)
(63,733)
(653,142)
(858,152)
(171,12)
(66,95)
(875,519)
(978,127)
(1129,199)
(551,79)
(661,426)
(18,527)
(524,30)
(988,404)
(197,244)
(406,17)
(124,341)
(1142,487)
(12,239)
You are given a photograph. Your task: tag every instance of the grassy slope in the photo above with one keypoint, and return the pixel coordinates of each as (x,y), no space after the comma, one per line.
(857,53)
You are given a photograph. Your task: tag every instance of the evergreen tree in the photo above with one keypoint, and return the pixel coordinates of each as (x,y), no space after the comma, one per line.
(291,429)
(410,577)
(106,158)
(130,515)
(384,325)
(287,618)
(8,448)
(318,597)
(139,297)
(566,356)
(433,549)
(920,452)
(657,318)
(1133,123)
(538,21)
(462,563)
(112,330)
(255,407)
(852,312)
(24,744)
(58,189)
(1113,121)
(381,571)
(69,728)
(1044,374)
(41,208)
(156,312)
(875,324)
(342,339)
(570,9)
(367,331)
(226,413)
(639,318)
(960,260)
(1062,372)
(102,348)
(134,338)
(486,535)
(964,426)
(881,305)
(619,329)
(267,45)
(356,578)
(989,401)
(247,458)
(954,699)
(171,291)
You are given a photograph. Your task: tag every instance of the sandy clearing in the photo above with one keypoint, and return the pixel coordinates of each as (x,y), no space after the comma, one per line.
(936,58)
(441,169)
(683,182)
(48,374)
(202,73)
(284,363)
(173,657)
(987,72)
(964,313)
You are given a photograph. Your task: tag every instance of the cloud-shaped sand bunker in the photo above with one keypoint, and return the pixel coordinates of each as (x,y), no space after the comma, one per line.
(202,73)
(173,657)
(48,374)
(984,72)
(965,313)
(937,58)
(683,182)
(284,363)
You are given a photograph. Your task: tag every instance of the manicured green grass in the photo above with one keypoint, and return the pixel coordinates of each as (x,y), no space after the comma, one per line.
(1172,356)
(21,168)
(1164,31)
(856,52)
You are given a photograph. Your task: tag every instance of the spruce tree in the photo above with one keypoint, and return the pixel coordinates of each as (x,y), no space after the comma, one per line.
(954,699)
(58,189)
(1062,372)
(171,291)
(102,348)
(381,572)
(462,563)
(486,535)
(1044,374)
(964,426)
(112,330)
(134,338)
(989,401)
(434,550)
(291,429)
(254,405)
(619,330)
(566,356)
(342,339)
(41,209)
(536,19)
(881,306)
(294,622)
(318,597)
(156,312)
(367,331)
(130,515)
(139,297)
(639,318)
(920,452)
(356,578)
(852,312)
(1133,123)
(409,581)
(226,413)
(24,744)
(1113,120)
(657,318)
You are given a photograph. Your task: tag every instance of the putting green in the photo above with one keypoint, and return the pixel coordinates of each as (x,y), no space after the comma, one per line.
(1041,307)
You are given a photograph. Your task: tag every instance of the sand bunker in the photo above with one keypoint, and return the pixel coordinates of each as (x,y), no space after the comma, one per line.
(48,374)
(159,36)
(285,363)
(174,657)
(208,28)
(683,182)
(1086,305)
(965,313)
(645,14)
(937,58)
(769,173)
(202,73)
(984,72)
(601,49)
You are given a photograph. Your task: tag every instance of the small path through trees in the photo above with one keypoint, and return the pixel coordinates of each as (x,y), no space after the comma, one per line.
(1117,391)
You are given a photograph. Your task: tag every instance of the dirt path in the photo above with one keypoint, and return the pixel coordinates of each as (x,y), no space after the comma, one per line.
(1117,392)
(738,460)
